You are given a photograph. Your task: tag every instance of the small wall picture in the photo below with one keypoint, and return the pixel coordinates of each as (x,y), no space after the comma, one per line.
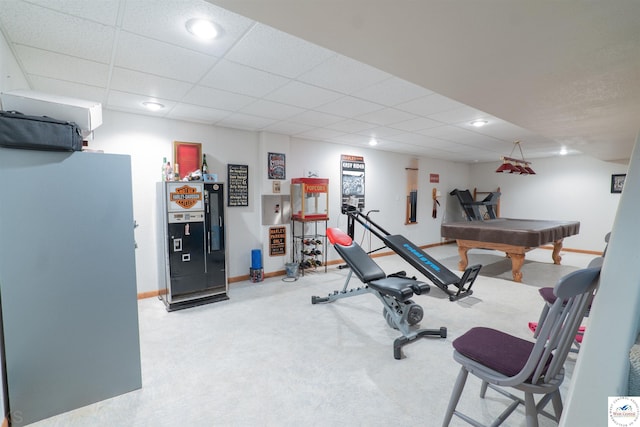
(617,182)
(187,156)
(276,166)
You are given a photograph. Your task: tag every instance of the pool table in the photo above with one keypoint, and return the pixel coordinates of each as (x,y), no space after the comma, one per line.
(515,237)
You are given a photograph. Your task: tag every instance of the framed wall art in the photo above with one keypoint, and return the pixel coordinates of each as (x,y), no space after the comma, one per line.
(237,185)
(617,182)
(276,166)
(187,156)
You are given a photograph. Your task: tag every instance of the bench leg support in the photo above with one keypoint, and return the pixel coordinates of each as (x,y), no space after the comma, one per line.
(422,333)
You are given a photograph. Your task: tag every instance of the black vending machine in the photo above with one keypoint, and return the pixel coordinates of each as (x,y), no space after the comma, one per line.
(192,252)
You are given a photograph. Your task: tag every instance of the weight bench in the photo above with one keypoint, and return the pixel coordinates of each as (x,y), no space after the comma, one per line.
(440,275)
(394,291)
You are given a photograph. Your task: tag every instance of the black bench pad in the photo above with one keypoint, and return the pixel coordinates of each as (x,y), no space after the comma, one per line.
(399,288)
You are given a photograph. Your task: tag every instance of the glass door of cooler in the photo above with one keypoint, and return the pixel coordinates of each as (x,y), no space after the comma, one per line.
(215,252)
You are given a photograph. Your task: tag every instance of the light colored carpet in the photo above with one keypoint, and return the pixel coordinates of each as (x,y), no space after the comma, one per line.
(494,264)
(268,357)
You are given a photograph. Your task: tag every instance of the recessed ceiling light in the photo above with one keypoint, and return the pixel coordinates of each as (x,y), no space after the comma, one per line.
(479,123)
(373,142)
(153,106)
(563,151)
(203,28)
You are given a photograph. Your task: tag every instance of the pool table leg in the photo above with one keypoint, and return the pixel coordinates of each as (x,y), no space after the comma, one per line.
(517,261)
(464,261)
(555,255)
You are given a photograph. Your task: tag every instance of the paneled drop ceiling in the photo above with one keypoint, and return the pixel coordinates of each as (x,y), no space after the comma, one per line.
(254,77)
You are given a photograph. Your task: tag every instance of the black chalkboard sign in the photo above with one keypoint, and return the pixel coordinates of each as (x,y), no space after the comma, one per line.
(238,185)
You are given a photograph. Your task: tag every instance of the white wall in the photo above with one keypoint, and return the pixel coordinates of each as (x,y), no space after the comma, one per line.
(574,188)
(147,140)
(385,187)
(274,143)
(602,368)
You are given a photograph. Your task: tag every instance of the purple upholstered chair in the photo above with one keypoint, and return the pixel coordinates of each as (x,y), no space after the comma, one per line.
(501,360)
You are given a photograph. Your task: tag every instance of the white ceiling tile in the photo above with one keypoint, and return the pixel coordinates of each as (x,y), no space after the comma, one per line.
(469,139)
(288,128)
(271,110)
(245,121)
(239,78)
(302,95)
(462,114)
(103,11)
(32,25)
(430,152)
(454,133)
(214,98)
(320,133)
(414,138)
(493,145)
(343,75)
(141,83)
(348,106)
(133,103)
(464,150)
(386,116)
(353,139)
(123,52)
(62,67)
(66,88)
(481,142)
(430,104)
(165,20)
(197,113)
(416,124)
(381,132)
(351,126)
(271,50)
(162,59)
(500,129)
(397,147)
(315,118)
(392,91)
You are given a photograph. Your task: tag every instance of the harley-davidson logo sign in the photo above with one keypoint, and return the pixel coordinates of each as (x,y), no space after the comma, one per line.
(186,196)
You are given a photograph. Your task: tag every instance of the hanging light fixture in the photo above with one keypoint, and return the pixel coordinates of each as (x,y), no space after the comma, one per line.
(506,167)
(514,165)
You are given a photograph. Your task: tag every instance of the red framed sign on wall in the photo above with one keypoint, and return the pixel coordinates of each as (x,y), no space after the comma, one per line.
(187,157)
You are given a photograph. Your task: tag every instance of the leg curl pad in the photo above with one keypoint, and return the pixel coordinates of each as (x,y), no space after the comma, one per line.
(399,288)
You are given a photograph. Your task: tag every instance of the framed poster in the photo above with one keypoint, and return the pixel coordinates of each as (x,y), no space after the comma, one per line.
(277,241)
(617,182)
(276,166)
(237,185)
(352,171)
(187,157)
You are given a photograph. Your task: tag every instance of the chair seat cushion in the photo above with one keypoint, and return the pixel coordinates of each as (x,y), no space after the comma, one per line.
(494,349)
(548,295)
